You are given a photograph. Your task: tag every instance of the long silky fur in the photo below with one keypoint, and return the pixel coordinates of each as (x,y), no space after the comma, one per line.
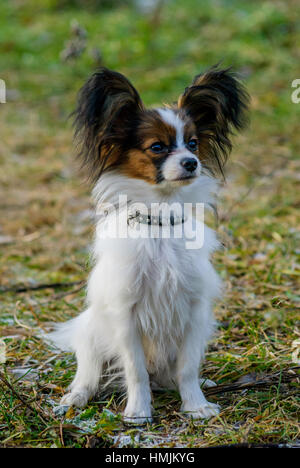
(149,300)
(217,102)
(106,109)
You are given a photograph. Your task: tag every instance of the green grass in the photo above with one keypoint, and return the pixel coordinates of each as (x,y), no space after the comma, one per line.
(43,208)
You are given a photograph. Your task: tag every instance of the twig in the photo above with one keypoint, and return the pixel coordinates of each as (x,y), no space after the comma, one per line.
(266,381)
(35,410)
(61,434)
(55,297)
(36,287)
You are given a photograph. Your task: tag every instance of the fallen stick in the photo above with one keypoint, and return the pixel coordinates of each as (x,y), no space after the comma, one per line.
(266,381)
(36,409)
(37,287)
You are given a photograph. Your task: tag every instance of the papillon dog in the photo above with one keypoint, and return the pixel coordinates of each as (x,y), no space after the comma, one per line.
(149,297)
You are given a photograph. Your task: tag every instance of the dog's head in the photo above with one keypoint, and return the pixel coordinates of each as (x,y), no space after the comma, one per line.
(163,146)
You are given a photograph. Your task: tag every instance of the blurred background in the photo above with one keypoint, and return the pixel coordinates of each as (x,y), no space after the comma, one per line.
(47,51)
(49,48)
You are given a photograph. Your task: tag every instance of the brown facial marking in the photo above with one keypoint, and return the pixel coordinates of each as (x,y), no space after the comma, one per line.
(139,166)
(142,162)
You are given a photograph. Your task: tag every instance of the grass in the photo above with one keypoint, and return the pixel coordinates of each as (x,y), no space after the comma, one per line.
(45,224)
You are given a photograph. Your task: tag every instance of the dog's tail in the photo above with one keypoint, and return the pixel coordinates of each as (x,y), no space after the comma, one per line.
(65,334)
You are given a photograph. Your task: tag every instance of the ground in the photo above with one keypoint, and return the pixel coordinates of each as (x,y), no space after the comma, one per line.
(46,53)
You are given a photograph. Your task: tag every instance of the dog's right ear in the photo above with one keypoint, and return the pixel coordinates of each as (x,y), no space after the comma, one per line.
(107,107)
(217,103)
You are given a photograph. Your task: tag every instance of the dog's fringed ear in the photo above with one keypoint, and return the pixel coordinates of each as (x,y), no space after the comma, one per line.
(107,107)
(217,103)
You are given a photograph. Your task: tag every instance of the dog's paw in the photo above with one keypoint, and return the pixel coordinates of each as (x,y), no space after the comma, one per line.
(75,398)
(206,383)
(206,411)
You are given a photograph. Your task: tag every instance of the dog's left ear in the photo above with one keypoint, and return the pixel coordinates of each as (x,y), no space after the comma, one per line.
(217,103)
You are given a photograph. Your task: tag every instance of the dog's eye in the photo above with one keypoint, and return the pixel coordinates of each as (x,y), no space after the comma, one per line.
(192,144)
(157,147)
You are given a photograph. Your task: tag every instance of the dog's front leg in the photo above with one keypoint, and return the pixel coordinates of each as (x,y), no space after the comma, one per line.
(138,409)
(189,358)
(86,381)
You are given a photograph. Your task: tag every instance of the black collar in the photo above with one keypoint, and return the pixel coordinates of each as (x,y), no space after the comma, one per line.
(159,220)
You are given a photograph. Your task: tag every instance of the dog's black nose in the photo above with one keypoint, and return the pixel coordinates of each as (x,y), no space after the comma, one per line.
(189,164)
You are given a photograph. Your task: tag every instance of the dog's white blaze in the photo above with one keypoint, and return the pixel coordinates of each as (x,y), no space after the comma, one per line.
(172,169)
(171,118)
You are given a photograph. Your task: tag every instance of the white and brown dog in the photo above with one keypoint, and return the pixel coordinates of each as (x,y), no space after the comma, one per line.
(150,299)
